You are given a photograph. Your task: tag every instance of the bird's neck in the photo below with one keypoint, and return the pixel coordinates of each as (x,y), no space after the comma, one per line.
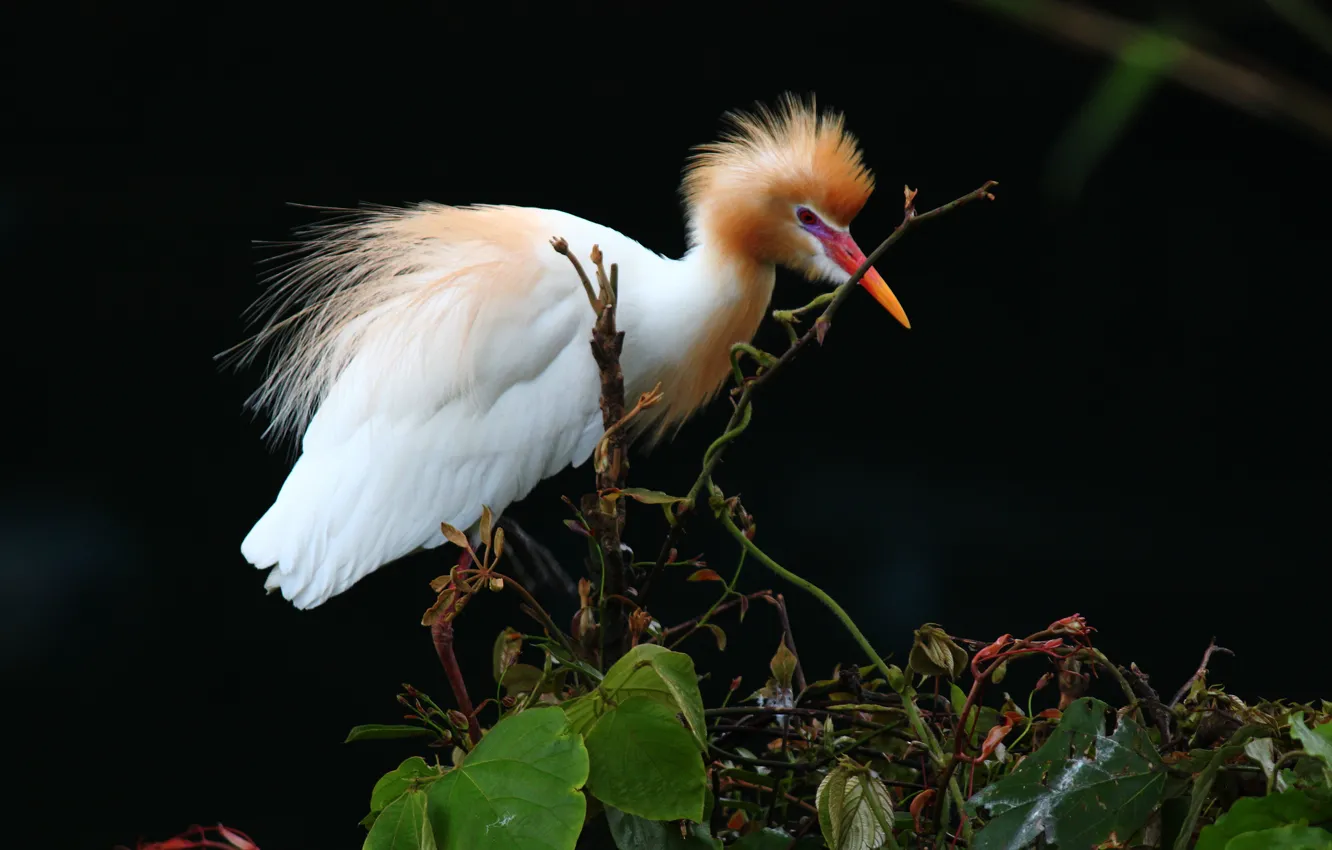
(720,298)
(729,278)
(719,263)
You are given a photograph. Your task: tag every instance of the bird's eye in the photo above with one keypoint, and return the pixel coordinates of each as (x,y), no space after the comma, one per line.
(806,217)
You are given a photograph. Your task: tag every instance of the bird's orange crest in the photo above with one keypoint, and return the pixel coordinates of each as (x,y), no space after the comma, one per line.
(794,154)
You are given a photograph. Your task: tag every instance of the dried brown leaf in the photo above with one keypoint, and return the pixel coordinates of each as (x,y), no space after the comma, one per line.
(487,522)
(434,612)
(455,536)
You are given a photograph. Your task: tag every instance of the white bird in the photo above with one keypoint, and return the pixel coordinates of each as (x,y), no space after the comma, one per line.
(438,357)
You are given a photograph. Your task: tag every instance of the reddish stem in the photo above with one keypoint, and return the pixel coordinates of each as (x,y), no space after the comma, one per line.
(442,632)
(980,678)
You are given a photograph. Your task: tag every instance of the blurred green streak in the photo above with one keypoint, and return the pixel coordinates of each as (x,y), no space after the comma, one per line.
(1103,119)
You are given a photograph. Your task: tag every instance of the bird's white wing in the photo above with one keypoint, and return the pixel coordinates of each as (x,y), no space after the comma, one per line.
(444,355)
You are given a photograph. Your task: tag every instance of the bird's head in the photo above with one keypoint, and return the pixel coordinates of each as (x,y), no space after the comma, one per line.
(782,187)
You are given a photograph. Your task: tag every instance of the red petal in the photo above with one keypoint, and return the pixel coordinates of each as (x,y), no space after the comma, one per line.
(992,740)
(993,649)
(918,804)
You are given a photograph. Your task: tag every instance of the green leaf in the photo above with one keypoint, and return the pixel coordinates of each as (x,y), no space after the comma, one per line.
(1315,743)
(396,782)
(1078,788)
(632,832)
(1283,838)
(828,802)
(374,731)
(583,712)
(562,656)
(650,497)
(508,646)
(718,634)
(933,653)
(1251,814)
(643,762)
(1263,751)
(402,826)
(847,801)
(655,672)
(957,697)
(896,680)
(783,665)
(518,790)
(521,679)
(981,720)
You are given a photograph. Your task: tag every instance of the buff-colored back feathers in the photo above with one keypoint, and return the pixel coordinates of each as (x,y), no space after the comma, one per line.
(365,280)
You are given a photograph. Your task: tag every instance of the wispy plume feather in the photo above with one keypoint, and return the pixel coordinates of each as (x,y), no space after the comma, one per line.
(375,277)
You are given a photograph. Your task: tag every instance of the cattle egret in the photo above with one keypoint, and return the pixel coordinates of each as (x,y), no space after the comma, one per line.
(436,358)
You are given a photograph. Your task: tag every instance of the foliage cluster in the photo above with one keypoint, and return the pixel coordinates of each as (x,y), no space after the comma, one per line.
(608,733)
(602,731)
(858,760)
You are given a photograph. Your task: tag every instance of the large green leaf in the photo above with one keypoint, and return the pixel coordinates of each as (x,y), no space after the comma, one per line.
(402,825)
(1252,814)
(632,832)
(854,809)
(583,712)
(1283,838)
(1078,788)
(661,675)
(518,790)
(644,762)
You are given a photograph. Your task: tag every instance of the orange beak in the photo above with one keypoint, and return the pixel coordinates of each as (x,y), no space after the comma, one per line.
(847,254)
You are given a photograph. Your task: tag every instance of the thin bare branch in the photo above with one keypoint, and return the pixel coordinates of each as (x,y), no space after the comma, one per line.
(561,246)
(1200,672)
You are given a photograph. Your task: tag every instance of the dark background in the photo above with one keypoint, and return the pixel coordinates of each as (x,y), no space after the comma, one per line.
(1111,401)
